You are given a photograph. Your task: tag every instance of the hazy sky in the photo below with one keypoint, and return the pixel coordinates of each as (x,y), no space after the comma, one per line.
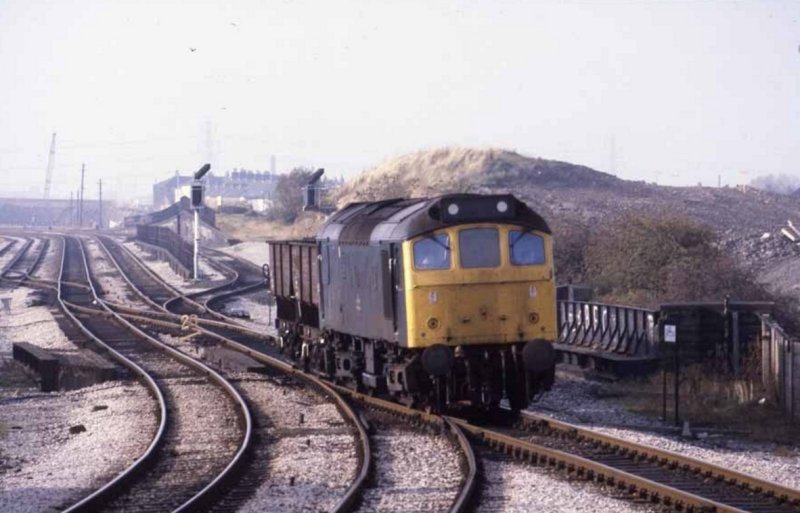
(677,92)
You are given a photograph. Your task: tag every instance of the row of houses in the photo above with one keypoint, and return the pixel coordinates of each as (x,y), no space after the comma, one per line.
(240,188)
(251,190)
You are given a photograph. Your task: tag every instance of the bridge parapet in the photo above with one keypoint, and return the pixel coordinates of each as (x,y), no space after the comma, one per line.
(616,329)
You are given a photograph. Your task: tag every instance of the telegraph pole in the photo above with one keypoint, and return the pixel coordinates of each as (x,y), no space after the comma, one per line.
(100,205)
(71,211)
(51,160)
(80,201)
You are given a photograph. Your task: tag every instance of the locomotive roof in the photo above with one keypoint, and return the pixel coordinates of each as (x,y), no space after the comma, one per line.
(402,219)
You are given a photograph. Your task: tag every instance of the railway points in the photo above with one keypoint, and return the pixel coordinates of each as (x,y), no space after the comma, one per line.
(278,439)
(206,450)
(643,493)
(116,283)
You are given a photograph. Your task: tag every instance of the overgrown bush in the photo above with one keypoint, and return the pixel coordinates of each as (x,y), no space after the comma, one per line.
(649,260)
(287,201)
(569,249)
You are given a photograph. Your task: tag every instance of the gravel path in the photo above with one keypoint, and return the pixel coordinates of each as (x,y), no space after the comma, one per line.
(43,466)
(575,400)
(413,471)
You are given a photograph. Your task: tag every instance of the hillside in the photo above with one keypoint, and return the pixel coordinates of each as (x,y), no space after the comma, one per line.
(438,171)
(568,194)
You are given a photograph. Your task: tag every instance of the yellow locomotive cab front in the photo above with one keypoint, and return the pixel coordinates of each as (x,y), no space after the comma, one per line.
(482,283)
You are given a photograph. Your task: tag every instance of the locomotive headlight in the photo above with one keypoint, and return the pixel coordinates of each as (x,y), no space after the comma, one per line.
(532,292)
(502,206)
(452,209)
(433,297)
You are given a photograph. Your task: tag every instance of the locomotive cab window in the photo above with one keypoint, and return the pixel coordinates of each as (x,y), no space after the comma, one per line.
(432,252)
(525,248)
(479,247)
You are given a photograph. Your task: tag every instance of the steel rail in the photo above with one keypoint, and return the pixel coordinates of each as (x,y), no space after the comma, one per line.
(16,258)
(229,283)
(521,448)
(204,495)
(747,482)
(142,295)
(179,295)
(463,501)
(351,497)
(353,493)
(221,292)
(8,245)
(708,470)
(538,454)
(39,259)
(93,500)
(593,470)
(162,311)
(667,494)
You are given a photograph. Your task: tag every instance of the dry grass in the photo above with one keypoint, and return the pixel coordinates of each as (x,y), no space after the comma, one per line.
(248,228)
(417,174)
(449,170)
(709,401)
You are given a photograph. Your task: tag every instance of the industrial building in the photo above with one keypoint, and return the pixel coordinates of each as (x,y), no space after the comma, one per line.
(241,188)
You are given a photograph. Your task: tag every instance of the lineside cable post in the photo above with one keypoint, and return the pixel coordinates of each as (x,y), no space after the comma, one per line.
(671,339)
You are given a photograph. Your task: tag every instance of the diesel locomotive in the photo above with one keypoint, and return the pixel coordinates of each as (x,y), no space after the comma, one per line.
(439,302)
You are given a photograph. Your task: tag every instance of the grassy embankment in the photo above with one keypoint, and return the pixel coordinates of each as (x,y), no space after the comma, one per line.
(248,227)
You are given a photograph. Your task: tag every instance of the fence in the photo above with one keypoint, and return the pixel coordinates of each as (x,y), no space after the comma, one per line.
(780,366)
(170,241)
(611,329)
(207,215)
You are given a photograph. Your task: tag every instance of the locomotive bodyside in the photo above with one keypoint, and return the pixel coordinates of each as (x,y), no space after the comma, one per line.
(465,329)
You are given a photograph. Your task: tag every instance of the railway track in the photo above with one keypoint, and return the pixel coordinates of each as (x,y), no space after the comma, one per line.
(726,487)
(158,321)
(205,426)
(27,261)
(642,472)
(248,278)
(9,262)
(422,464)
(11,268)
(169,304)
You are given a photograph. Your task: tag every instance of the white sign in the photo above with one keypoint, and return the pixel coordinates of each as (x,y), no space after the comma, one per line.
(670,333)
